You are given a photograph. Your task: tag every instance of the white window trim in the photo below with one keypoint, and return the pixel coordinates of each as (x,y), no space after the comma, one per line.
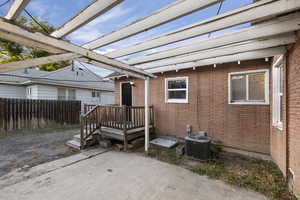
(186,100)
(276,111)
(266,102)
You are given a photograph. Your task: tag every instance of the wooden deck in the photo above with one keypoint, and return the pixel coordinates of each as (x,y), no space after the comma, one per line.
(119,134)
(122,123)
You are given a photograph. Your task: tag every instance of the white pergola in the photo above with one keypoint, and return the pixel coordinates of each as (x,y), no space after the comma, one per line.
(274,23)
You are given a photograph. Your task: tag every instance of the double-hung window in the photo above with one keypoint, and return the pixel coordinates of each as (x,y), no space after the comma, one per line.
(249,87)
(66,94)
(278,89)
(61,94)
(176,90)
(96,94)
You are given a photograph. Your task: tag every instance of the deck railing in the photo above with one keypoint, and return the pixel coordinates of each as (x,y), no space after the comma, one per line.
(118,117)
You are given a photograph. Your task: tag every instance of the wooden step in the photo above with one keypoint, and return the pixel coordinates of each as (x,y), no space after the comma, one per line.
(76,138)
(74,144)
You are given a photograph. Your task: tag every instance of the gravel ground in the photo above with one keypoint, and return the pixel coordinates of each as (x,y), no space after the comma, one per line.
(26,151)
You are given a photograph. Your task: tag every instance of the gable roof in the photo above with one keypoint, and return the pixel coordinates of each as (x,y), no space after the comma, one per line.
(21,75)
(71,76)
(114,75)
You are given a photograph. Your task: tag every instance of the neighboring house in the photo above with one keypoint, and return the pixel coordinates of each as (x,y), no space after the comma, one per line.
(69,83)
(249,105)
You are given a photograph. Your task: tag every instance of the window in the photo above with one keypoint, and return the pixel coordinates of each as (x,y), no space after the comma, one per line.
(71,94)
(96,94)
(66,94)
(249,87)
(28,91)
(61,94)
(176,90)
(278,87)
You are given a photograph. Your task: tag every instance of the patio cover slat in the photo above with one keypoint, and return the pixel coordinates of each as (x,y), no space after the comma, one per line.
(277,26)
(169,13)
(37,61)
(275,41)
(16,8)
(89,13)
(253,12)
(64,45)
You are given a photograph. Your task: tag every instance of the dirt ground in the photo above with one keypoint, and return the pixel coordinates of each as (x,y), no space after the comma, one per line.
(25,151)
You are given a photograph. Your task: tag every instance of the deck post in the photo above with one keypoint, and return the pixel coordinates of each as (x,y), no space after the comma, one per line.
(124,108)
(82,124)
(146,114)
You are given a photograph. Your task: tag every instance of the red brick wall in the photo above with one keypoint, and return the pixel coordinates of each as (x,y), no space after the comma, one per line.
(278,137)
(293,111)
(240,126)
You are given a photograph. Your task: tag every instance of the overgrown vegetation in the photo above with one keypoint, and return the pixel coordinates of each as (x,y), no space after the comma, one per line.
(258,175)
(11,51)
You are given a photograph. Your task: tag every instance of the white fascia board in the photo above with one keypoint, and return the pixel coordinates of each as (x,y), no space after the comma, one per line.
(277,26)
(86,15)
(280,40)
(256,11)
(164,15)
(224,59)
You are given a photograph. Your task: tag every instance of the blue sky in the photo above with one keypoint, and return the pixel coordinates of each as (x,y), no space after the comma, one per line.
(56,12)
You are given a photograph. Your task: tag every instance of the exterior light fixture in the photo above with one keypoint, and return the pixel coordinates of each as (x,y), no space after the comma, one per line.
(131,83)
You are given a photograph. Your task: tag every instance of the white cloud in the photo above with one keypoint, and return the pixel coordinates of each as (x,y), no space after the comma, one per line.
(85,35)
(38,8)
(112,14)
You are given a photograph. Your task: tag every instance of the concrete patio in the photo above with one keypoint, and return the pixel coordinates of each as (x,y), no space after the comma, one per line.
(119,176)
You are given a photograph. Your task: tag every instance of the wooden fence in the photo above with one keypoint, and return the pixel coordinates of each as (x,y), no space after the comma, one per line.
(28,114)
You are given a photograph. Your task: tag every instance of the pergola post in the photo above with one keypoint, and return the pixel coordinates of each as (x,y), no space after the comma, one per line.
(146,114)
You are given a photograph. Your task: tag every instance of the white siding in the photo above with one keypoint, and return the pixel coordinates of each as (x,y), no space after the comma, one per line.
(107,98)
(85,96)
(34,92)
(47,92)
(9,91)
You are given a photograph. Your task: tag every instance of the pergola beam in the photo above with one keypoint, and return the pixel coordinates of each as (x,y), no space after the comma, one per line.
(30,43)
(37,61)
(109,67)
(66,46)
(16,8)
(264,53)
(164,15)
(277,26)
(89,13)
(253,12)
(280,40)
